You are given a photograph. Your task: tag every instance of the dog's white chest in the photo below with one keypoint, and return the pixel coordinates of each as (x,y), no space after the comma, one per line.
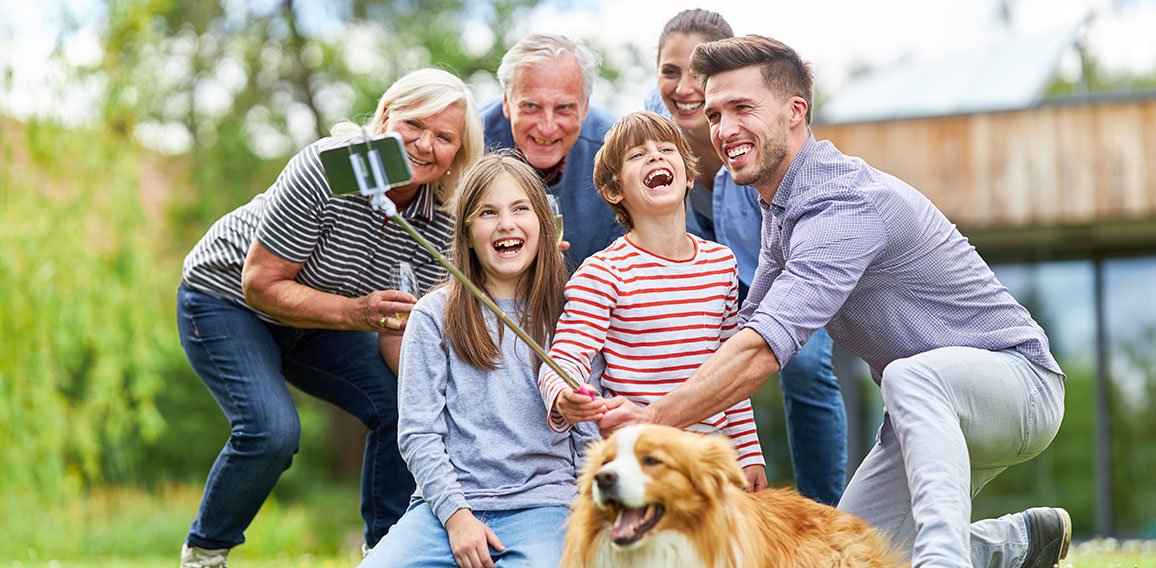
(663,550)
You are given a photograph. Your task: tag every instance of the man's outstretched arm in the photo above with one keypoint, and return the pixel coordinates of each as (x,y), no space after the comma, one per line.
(728,376)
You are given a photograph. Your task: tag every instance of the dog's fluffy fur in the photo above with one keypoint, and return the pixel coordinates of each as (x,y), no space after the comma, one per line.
(653,496)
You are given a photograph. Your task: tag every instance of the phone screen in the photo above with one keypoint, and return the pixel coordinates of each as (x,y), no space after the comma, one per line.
(340,173)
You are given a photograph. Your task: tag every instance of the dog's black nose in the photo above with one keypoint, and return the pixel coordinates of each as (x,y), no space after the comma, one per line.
(606,479)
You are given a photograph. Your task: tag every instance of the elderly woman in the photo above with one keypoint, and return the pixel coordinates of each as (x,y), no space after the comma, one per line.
(296,286)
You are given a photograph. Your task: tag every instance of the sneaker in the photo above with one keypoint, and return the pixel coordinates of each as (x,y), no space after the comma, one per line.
(1050,531)
(193,557)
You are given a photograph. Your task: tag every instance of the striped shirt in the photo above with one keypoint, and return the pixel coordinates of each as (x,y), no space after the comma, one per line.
(653,321)
(344,245)
(862,253)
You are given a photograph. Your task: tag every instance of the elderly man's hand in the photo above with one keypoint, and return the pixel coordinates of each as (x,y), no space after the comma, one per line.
(621,412)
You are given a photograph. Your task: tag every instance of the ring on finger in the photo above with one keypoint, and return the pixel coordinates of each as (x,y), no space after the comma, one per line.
(383,321)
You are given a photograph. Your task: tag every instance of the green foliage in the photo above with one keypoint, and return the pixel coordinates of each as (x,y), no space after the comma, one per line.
(85,314)
(1133,435)
(94,386)
(1096,80)
(121,526)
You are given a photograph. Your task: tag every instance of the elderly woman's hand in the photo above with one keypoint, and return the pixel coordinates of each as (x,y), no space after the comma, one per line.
(269,285)
(383,311)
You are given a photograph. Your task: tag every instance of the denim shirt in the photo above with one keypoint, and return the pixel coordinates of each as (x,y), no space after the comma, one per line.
(737,218)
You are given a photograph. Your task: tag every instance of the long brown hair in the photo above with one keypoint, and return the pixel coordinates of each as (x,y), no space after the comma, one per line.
(541,285)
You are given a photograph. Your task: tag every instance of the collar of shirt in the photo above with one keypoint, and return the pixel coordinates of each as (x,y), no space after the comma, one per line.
(422,206)
(783,193)
(549,176)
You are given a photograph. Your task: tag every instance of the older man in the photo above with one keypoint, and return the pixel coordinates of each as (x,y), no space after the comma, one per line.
(545,114)
(968,382)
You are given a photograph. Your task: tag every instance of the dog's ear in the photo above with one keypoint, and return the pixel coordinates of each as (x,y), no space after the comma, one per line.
(718,466)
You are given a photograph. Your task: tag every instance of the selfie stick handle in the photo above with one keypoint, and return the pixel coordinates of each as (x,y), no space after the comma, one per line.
(379,202)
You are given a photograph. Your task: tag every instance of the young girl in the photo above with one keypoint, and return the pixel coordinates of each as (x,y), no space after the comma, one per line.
(493,480)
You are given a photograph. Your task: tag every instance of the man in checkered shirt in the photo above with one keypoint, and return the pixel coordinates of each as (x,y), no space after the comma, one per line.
(966,375)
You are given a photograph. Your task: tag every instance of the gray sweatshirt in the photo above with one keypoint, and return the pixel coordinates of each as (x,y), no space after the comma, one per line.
(479,439)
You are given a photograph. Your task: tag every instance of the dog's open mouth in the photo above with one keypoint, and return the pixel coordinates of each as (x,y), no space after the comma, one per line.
(632,524)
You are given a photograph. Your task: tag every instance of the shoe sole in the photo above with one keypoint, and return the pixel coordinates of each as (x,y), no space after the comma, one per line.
(1067,522)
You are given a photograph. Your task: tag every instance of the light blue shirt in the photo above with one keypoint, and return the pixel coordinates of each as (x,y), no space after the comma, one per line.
(869,257)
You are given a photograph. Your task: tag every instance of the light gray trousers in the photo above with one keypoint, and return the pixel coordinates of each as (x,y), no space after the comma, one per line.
(956,417)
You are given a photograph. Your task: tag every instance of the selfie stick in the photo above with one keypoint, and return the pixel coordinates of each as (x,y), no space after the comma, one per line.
(376,192)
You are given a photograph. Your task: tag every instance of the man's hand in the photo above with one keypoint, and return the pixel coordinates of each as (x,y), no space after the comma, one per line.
(577,408)
(621,412)
(470,540)
(756,478)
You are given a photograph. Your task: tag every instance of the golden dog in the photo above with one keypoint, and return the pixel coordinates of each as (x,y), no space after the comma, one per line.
(654,496)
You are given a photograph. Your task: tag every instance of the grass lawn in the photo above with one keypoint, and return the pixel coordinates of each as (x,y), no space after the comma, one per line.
(134,529)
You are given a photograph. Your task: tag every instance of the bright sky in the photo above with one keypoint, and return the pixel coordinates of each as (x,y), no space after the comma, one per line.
(837,36)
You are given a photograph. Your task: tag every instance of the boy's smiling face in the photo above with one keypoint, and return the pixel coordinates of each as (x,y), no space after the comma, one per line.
(653,180)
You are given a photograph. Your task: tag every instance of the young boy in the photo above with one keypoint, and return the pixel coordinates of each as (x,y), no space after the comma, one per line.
(655,303)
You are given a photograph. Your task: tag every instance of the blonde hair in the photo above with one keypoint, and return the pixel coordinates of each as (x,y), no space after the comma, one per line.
(424,93)
(542,283)
(633,130)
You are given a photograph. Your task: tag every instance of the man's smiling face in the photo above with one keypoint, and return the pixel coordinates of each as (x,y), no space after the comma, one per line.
(748,126)
(546,104)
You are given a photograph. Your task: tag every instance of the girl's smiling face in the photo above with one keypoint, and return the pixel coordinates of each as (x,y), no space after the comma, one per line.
(504,234)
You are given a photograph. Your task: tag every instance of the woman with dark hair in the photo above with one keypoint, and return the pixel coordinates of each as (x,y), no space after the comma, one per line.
(727,213)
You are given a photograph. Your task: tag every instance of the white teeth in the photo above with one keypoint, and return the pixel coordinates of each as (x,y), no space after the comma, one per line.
(417,161)
(687,106)
(508,243)
(738,151)
(654,173)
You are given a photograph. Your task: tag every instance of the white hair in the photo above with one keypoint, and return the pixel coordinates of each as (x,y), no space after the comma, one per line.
(536,48)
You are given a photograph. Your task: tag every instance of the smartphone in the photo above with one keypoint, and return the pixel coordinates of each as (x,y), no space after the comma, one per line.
(342,174)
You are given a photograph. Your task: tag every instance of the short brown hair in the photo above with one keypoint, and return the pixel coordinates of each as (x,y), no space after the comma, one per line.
(783,70)
(633,130)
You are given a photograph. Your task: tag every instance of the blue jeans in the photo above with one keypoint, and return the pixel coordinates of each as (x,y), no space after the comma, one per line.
(956,417)
(246,364)
(816,421)
(816,418)
(533,539)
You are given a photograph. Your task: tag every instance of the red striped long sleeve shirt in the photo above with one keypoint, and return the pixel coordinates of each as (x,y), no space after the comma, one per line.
(654,321)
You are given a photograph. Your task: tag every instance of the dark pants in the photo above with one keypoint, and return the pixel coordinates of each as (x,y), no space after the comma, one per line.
(246,363)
